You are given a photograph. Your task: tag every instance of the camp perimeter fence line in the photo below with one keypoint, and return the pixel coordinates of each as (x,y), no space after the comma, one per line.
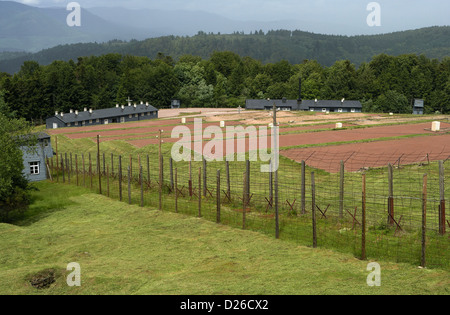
(396,212)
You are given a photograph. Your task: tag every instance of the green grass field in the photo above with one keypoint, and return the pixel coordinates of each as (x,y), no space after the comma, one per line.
(125,249)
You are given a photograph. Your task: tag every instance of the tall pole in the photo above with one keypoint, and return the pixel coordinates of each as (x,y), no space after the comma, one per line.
(275,149)
(98,165)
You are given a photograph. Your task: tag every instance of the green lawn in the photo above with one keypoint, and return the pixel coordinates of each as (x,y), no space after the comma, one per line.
(126,249)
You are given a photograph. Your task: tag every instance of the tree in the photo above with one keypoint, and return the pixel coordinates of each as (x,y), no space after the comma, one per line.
(14,187)
(393,102)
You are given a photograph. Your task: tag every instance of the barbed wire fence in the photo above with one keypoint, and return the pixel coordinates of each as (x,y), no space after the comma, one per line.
(387,206)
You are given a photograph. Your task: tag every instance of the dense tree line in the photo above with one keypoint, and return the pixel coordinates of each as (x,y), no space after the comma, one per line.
(385,84)
(293,46)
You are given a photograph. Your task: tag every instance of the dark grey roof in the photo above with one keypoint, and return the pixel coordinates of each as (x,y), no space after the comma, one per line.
(106,113)
(304,105)
(418,103)
(332,104)
(262,104)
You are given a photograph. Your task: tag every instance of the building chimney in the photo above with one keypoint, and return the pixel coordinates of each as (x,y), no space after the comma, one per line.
(123,107)
(56,113)
(71,111)
(142,103)
(117,105)
(90,111)
(62,114)
(147,104)
(85,109)
(76,113)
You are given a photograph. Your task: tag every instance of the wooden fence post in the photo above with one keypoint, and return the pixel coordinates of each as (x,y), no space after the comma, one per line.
(71,167)
(142,186)
(120,178)
(391,195)
(148,171)
(84,170)
(228,180)
(176,190)
(112,164)
(62,169)
(424,220)
(270,185)
(363,223)
(171,175)
(190,179)
(313,194)
(107,181)
(200,192)
(160,182)
(67,168)
(303,188)
(218,197)
(76,168)
(129,185)
(204,177)
(341,190)
(442,221)
(248,167)
(244,200)
(90,170)
(98,166)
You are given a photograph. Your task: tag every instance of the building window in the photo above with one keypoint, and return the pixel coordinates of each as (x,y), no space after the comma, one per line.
(122,119)
(76,123)
(311,109)
(69,125)
(340,110)
(324,110)
(98,120)
(34,168)
(137,115)
(353,110)
(90,121)
(130,116)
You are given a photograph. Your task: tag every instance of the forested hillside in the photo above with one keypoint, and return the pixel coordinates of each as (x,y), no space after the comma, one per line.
(293,46)
(385,83)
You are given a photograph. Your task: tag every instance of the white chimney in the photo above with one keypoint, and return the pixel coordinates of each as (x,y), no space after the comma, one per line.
(123,107)
(62,114)
(71,111)
(142,103)
(117,105)
(147,104)
(85,109)
(135,105)
(56,113)
(76,113)
(90,111)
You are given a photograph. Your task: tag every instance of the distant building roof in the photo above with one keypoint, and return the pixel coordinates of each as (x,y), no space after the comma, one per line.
(418,103)
(123,110)
(303,105)
(262,104)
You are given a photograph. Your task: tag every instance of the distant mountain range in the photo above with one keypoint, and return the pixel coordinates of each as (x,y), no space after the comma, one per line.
(42,35)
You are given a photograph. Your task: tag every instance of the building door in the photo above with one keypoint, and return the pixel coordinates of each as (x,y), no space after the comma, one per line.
(55,125)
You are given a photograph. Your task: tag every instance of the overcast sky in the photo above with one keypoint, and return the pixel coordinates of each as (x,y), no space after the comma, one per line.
(398,14)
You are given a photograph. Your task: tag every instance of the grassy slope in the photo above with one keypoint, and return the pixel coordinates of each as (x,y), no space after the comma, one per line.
(125,249)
